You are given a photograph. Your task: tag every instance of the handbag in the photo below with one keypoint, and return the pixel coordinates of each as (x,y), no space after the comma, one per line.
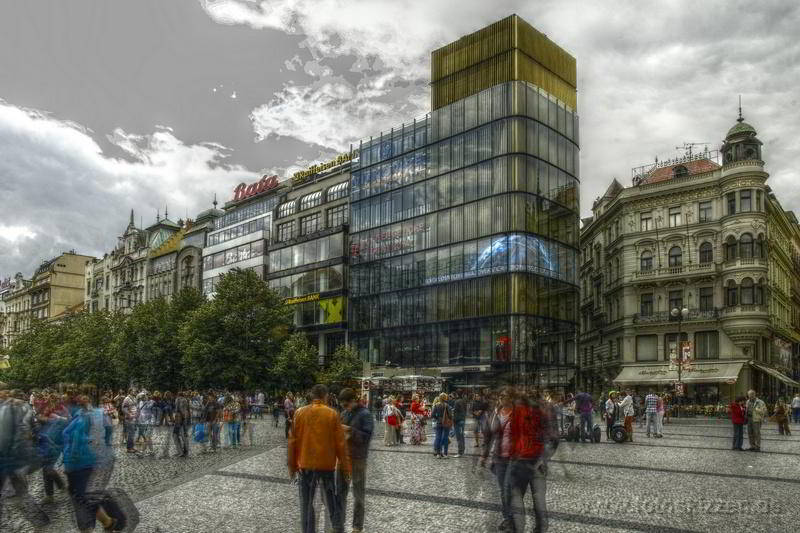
(391,420)
(199,432)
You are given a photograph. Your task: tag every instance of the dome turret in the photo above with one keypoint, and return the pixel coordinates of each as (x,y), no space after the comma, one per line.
(741,143)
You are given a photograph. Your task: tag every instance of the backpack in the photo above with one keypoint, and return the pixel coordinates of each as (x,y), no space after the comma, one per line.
(447,419)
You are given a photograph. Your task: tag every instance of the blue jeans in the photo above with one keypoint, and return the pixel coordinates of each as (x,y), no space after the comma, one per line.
(796,415)
(442,440)
(652,420)
(309,479)
(233,433)
(586,424)
(109,432)
(500,469)
(524,473)
(738,436)
(459,429)
(129,427)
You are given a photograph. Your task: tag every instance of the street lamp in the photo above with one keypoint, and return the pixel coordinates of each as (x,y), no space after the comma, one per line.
(680,315)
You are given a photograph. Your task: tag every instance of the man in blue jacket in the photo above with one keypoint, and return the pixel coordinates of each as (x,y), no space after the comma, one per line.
(358,426)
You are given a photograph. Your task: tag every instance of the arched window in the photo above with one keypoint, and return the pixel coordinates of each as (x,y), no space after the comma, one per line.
(746,246)
(706,253)
(730,248)
(731,294)
(675,256)
(680,171)
(748,297)
(646,261)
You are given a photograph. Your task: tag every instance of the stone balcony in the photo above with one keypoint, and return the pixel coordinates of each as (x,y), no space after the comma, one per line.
(664,317)
(653,274)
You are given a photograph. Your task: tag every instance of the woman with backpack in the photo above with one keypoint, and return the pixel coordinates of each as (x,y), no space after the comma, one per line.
(442,415)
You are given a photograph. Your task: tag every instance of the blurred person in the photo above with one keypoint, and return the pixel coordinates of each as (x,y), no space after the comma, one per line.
(498,443)
(755,411)
(651,412)
(288,411)
(182,418)
(660,407)
(442,415)
(626,405)
(276,412)
(130,416)
(611,412)
(391,419)
(316,443)
(52,418)
(211,419)
(459,421)
(417,421)
(231,415)
(148,413)
(738,419)
(781,413)
(584,406)
(358,427)
(796,408)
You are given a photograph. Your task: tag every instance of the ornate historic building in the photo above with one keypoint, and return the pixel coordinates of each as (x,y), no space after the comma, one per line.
(706,236)
(99,292)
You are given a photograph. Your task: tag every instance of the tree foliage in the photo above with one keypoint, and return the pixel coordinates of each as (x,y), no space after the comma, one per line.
(343,366)
(297,365)
(231,341)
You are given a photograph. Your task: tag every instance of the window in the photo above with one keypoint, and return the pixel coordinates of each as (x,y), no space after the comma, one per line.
(646,221)
(337,216)
(674,217)
(706,253)
(646,308)
(310,200)
(338,191)
(286,208)
(731,196)
(646,261)
(706,345)
(748,292)
(680,171)
(675,256)
(706,298)
(705,211)
(285,231)
(309,224)
(731,294)
(647,347)
(759,247)
(730,248)
(745,198)
(675,300)
(671,344)
(758,200)
(746,246)
(759,292)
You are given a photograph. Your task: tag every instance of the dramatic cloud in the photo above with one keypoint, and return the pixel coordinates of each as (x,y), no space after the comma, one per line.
(61,192)
(651,75)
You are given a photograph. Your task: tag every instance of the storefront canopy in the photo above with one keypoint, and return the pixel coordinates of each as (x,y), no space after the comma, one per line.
(774,373)
(706,372)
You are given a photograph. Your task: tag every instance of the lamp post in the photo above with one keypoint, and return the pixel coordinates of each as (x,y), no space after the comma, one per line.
(680,315)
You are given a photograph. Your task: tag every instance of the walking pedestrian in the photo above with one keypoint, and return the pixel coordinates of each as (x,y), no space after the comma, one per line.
(626,405)
(611,412)
(498,444)
(316,443)
(660,416)
(459,421)
(391,418)
(584,406)
(782,417)
(756,410)
(288,411)
(738,419)
(480,411)
(417,421)
(182,420)
(443,418)
(651,412)
(358,427)
(130,415)
(796,408)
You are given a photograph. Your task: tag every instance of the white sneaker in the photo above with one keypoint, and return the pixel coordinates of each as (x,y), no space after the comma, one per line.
(456,456)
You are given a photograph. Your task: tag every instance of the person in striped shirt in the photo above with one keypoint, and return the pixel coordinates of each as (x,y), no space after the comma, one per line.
(651,410)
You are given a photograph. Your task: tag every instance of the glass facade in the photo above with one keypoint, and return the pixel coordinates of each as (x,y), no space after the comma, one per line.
(464,237)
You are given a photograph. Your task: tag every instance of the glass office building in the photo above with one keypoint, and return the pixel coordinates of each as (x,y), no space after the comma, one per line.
(464,232)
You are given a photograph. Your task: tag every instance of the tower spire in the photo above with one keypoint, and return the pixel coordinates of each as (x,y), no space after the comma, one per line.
(166,211)
(741,118)
(131,217)
(214,203)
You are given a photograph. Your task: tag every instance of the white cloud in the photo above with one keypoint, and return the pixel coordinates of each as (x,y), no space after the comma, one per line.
(651,75)
(56,184)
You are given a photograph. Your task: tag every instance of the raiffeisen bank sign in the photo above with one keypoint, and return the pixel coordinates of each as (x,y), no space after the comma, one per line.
(244,191)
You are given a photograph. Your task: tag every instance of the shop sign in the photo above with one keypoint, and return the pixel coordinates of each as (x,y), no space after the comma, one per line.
(472,369)
(243,191)
(306,175)
(377,374)
(302,299)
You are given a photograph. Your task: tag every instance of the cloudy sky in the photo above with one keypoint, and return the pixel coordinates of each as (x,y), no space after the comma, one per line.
(108,106)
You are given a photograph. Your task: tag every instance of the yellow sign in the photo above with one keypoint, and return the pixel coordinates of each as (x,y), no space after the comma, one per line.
(5,362)
(334,309)
(303,175)
(302,299)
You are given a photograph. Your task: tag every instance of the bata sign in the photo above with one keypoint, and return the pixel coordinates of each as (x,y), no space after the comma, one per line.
(243,190)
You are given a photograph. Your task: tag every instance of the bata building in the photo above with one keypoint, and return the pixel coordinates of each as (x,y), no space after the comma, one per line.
(697,258)
(465,222)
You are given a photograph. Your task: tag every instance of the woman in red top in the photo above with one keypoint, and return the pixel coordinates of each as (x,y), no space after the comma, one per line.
(738,418)
(417,426)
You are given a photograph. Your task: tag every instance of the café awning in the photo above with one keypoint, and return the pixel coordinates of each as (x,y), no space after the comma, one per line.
(774,373)
(706,372)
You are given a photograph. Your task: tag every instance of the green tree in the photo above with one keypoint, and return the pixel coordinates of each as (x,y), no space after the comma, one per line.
(32,356)
(85,354)
(232,340)
(343,366)
(297,365)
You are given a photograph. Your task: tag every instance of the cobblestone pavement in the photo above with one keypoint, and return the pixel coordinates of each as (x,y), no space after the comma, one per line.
(688,481)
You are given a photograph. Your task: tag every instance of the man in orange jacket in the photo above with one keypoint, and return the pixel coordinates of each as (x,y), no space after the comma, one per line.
(316,442)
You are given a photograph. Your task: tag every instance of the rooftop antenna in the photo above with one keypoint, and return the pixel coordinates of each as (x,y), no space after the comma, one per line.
(741,118)
(214,203)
